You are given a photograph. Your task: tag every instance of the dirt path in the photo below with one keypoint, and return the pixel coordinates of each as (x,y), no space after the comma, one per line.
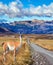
(45,53)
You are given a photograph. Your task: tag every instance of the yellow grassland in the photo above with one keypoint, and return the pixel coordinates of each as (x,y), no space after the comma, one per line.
(23,56)
(45,43)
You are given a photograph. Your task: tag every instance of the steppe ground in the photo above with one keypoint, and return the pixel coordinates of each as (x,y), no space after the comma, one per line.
(23,57)
(44,43)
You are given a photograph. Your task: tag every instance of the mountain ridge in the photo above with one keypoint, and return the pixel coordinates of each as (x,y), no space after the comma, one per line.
(29,27)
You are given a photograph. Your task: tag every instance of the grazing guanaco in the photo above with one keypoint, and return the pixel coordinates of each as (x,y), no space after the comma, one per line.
(11,46)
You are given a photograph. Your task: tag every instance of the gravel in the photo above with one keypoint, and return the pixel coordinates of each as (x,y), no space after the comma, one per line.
(39,59)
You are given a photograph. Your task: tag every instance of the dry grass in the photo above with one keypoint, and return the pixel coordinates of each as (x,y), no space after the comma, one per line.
(23,56)
(45,43)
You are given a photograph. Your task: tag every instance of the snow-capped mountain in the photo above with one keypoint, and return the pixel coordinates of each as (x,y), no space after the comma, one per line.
(29,27)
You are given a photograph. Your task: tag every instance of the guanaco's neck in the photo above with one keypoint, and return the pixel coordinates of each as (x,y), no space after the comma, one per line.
(20,39)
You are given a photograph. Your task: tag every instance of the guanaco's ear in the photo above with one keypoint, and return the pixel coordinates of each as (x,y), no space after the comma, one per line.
(2,44)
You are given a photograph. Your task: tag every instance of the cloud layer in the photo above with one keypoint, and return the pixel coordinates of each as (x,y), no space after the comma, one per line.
(16,9)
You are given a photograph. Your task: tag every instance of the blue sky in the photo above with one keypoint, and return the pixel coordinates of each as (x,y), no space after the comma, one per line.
(12,10)
(27,2)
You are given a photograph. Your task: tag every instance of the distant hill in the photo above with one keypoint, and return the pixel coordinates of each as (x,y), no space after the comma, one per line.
(27,27)
(5,31)
(2,30)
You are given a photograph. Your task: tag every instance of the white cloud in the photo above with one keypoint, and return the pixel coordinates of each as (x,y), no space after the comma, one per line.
(35,11)
(48,10)
(16,9)
(20,4)
(3,8)
(42,10)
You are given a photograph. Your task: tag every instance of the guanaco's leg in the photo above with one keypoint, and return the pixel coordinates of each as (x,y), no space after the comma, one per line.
(5,52)
(14,54)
